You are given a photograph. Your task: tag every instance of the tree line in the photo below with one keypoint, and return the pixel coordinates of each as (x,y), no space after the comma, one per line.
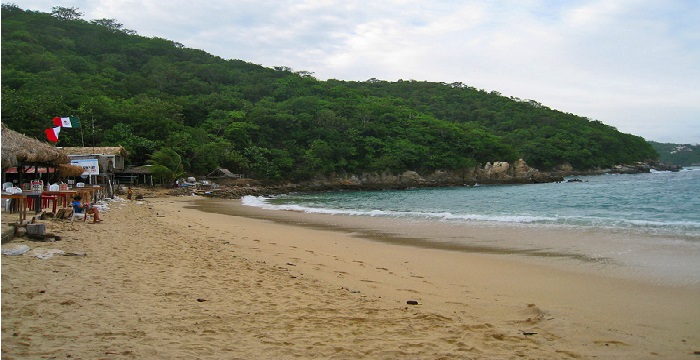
(678,154)
(156,96)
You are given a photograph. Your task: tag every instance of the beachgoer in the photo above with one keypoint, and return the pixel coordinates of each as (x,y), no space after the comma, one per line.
(129,193)
(78,208)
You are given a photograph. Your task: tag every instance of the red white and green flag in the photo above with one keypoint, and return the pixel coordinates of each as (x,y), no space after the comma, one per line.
(52,134)
(67,122)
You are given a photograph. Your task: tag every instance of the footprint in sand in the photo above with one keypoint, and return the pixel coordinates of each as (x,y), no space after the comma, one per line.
(608,342)
(456,303)
(408,290)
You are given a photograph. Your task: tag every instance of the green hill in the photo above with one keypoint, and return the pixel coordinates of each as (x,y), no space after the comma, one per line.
(147,94)
(678,154)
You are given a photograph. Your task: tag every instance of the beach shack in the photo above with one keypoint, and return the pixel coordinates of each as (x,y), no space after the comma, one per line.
(133,175)
(27,166)
(100,165)
(26,159)
(221,173)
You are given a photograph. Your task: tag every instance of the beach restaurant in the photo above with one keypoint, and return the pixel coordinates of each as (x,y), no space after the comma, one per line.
(28,168)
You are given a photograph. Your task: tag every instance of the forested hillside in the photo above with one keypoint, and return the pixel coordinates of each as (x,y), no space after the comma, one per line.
(150,94)
(678,154)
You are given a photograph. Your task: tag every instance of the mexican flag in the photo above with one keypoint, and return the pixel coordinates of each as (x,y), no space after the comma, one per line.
(67,122)
(52,134)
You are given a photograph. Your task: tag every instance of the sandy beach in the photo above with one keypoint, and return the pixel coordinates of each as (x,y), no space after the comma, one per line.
(162,279)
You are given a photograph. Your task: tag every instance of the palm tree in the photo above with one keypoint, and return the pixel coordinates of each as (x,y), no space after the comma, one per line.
(167,164)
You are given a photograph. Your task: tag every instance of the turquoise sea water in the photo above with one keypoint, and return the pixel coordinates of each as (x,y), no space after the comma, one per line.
(643,226)
(659,203)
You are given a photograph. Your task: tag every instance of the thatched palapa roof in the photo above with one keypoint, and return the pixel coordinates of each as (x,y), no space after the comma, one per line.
(18,148)
(96,150)
(144,169)
(66,170)
(221,172)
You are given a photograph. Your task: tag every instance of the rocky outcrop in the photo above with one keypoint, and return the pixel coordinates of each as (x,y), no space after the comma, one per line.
(659,166)
(636,168)
(518,172)
(490,173)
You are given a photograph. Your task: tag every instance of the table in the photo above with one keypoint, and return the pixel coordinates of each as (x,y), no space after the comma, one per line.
(18,202)
(63,197)
(33,200)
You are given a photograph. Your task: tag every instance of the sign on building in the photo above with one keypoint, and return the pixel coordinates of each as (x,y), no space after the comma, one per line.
(90,166)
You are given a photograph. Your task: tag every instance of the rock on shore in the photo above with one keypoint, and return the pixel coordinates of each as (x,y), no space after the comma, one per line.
(490,173)
(498,172)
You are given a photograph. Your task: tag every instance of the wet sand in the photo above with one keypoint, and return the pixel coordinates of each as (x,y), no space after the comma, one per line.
(620,253)
(162,279)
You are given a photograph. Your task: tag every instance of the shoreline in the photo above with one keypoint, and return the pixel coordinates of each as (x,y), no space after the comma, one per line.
(612,251)
(162,280)
(538,278)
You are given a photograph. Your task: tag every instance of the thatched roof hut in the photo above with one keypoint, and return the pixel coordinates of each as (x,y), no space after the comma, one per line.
(96,150)
(143,169)
(66,170)
(111,158)
(223,173)
(21,149)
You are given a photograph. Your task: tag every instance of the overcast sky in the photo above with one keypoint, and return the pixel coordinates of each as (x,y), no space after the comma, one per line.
(632,64)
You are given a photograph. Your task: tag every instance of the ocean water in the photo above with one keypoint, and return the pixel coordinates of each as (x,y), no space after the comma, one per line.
(642,226)
(658,203)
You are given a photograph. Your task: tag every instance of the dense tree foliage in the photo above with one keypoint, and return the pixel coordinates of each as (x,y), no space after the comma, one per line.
(148,94)
(678,154)
(166,163)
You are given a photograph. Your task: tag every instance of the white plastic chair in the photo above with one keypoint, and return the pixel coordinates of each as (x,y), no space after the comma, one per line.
(7,185)
(10,190)
(79,216)
(54,187)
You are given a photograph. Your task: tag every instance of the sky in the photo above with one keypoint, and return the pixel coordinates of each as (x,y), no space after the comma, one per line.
(632,64)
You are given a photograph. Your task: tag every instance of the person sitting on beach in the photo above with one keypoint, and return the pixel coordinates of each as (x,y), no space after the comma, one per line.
(78,208)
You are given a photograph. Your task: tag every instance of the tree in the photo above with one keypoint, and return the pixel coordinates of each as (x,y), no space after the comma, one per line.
(66,13)
(138,147)
(167,165)
(108,23)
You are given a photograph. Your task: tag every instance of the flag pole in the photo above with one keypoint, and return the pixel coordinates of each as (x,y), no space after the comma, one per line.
(93,133)
(82,138)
